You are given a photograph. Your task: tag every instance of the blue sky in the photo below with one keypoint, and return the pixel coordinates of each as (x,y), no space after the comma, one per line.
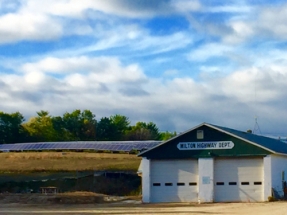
(177,63)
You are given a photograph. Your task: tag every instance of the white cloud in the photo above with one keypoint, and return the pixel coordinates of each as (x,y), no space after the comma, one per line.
(254,85)
(61,80)
(111,87)
(186,6)
(132,40)
(48,20)
(241,31)
(124,8)
(58,66)
(210,50)
(272,20)
(34,77)
(264,22)
(93,69)
(163,43)
(236,8)
(15,27)
(38,20)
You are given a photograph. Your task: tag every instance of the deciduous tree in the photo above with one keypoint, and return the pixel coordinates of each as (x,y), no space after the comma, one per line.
(40,128)
(11,129)
(143,131)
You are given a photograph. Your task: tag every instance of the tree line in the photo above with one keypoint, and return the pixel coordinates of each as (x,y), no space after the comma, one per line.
(75,126)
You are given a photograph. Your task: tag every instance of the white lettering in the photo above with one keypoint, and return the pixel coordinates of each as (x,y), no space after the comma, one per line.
(205,145)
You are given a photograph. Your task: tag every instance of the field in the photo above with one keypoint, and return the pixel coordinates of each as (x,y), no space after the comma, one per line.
(67,161)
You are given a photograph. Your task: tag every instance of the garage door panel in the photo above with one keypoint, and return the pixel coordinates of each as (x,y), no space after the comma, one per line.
(238,180)
(176,181)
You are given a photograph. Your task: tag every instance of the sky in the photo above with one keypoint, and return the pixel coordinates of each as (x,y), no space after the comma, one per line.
(177,63)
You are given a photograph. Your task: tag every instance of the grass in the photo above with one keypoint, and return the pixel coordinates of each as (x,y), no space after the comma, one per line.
(67,161)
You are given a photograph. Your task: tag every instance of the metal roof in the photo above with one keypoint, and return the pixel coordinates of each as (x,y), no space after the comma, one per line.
(271,144)
(81,145)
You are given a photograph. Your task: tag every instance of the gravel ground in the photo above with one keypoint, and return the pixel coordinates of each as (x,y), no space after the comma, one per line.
(135,207)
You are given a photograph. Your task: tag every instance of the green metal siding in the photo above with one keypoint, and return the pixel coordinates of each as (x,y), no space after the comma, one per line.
(169,149)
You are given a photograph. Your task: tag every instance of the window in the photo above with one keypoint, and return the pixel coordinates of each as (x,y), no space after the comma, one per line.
(257,183)
(199,134)
(156,184)
(180,184)
(245,183)
(192,183)
(219,183)
(168,184)
(232,183)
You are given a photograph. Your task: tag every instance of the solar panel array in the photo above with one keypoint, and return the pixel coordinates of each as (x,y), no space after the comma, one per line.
(125,146)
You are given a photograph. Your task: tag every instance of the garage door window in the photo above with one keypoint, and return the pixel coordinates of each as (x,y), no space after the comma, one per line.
(257,183)
(168,184)
(245,183)
(192,184)
(180,184)
(219,183)
(232,183)
(156,184)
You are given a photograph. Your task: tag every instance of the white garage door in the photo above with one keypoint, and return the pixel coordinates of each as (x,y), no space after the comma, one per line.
(238,180)
(174,181)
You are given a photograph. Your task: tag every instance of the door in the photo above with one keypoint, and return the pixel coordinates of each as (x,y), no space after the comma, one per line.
(238,180)
(174,180)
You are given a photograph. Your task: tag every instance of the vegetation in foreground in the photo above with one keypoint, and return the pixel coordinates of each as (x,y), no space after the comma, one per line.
(67,161)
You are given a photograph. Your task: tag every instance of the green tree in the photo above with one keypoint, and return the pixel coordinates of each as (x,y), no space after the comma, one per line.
(167,135)
(105,129)
(112,128)
(62,133)
(143,131)
(11,129)
(81,125)
(121,124)
(40,128)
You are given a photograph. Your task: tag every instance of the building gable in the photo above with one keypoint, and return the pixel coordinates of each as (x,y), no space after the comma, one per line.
(205,141)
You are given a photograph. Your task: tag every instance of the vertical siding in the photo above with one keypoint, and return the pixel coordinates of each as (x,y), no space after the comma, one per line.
(145,165)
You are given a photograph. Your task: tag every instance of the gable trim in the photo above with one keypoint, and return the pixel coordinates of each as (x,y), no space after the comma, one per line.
(171,139)
(218,129)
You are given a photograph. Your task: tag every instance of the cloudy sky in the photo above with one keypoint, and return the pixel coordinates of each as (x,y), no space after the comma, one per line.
(177,63)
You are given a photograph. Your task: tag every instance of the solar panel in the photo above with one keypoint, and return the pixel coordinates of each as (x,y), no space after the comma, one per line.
(81,145)
(121,147)
(29,147)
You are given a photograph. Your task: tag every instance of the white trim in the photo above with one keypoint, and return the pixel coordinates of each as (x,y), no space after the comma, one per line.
(145,165)
(206,179)
(267,177)
(218,129)
(171,139)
